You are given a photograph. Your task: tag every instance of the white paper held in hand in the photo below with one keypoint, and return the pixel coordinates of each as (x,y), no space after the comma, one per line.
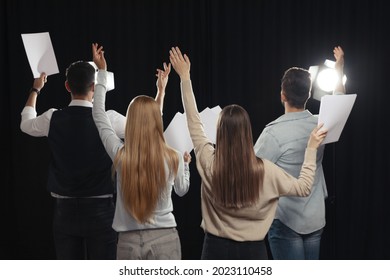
(334,112)
(40,53)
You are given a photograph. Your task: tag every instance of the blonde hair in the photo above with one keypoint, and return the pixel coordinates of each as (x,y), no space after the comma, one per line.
(143,158)
(237,172)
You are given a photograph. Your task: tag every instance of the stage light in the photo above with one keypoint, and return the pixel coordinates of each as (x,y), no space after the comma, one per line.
(324,79)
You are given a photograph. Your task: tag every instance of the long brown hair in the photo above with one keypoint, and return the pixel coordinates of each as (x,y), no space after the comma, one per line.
(237,172)
(143,158)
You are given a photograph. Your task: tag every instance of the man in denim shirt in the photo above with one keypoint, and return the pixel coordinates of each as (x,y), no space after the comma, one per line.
(299,221)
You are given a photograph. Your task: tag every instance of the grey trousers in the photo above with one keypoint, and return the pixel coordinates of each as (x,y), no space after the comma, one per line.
(150,244)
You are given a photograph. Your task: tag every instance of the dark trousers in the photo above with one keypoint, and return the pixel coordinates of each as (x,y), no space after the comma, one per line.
(218,248)
(82,229)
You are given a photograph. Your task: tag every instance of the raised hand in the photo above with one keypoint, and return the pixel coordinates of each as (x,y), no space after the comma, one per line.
(181,63)
(162,77)
(39,83)
(98,56)
(339,56)
(339,66)
(317,135)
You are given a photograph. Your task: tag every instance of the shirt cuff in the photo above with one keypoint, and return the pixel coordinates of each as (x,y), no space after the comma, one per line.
(101,77)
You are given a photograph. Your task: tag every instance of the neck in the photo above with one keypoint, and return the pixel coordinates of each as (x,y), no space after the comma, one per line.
(289,109)
(82,98)
(87,97)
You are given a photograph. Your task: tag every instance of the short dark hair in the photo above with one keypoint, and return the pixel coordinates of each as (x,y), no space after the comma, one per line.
(296,86)
(80,76)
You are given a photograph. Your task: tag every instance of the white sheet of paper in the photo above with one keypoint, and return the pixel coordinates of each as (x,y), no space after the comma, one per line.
(209,118)
(217,109)
(334,112)
(110,78)
(177,135)
(40,53)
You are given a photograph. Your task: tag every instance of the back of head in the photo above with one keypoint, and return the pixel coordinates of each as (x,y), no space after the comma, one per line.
(80,76)
(143,119)
(143,158)
(236,170)
(233,120)
(296,86)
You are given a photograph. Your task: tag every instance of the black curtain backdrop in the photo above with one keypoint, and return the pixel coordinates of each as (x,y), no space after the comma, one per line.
(239,51)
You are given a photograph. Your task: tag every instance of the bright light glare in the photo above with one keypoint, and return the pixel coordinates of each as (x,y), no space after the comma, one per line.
(327,79)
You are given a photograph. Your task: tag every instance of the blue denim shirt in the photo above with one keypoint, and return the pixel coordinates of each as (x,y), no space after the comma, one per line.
(283,142)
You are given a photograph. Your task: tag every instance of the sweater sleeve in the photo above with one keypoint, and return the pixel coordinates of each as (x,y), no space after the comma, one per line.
(285,184)
(203,147)
(182,180)
(110,140)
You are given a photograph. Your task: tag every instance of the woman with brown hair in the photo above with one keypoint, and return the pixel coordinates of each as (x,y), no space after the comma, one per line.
(147,170)
(239,192)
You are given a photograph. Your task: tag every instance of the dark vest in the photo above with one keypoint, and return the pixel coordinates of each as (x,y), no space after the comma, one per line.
(80,166)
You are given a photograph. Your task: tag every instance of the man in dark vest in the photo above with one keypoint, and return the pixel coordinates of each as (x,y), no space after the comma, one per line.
(79,175)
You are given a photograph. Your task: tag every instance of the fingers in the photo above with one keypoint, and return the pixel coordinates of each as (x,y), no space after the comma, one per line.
(175,53)
(186,58)
(172,55)
(43,77)
(97,51)
(39,83)
(338,52)
(96,48)
(187,157)
(320,131)
(164,73)
(319,126)
(167,68)
(178,52)
(317,136)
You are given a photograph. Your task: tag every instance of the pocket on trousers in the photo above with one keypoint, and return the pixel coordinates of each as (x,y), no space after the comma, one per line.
(166,248)
(126,252)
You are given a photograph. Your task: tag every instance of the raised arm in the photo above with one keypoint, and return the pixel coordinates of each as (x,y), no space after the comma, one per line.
(339,66)
(203,147)
(30,123)
(161,83)
(302,185)
(38,84)
(107,134)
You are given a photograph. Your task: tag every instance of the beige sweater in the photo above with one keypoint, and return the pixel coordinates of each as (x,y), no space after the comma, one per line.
(249,223)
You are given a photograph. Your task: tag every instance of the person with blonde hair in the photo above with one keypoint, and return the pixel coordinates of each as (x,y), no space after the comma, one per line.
(147,170)
(239,192)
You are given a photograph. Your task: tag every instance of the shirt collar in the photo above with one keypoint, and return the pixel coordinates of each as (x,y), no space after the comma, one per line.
(78,102)
(292,116)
